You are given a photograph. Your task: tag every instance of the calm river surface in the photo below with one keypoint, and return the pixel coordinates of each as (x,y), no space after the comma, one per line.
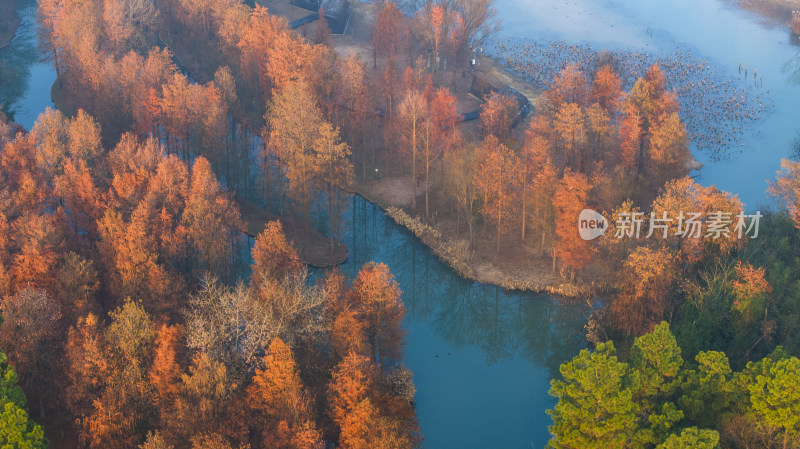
(26,76)
(482,357)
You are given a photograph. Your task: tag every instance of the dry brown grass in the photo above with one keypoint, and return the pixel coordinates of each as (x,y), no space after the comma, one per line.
(775,12)
(530,274)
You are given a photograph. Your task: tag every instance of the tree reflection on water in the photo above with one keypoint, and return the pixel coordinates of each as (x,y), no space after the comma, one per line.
(503,325)
(17,59)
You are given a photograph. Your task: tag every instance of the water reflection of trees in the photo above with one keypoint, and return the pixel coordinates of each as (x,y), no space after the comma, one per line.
(17,58)
(792,66)
(502,324)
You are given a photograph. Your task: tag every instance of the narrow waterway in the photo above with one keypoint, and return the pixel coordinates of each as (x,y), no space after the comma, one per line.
(482,357)
(26,75)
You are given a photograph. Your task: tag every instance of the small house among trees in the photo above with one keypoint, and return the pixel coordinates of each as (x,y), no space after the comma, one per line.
(311,5)
(336,12)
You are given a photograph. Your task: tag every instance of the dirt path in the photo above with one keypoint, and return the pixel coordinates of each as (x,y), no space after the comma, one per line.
(494,69)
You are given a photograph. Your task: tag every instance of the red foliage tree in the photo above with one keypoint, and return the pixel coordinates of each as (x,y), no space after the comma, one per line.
(570,199)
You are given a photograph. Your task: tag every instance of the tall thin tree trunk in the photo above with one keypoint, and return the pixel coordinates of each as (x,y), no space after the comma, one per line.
(427,173)
(330,208)
(499,225)
(471,236)
(414,166)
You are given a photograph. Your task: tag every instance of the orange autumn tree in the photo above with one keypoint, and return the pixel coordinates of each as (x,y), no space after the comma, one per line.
(365,428)
(37,240)
(439,134)
(388,32)
(293,122)
(607,89)
(570,86)
(599,130)
(28,190)
(669,148)
(81,196)
(357,412)
(570,127)
(258,36)
(133,164)
(348,331)
(437,19)
(334,172)
(498,176)
(165,374)
(278,393)
(786,187)
(211,217)
(693,243)
(630,133)
(355,96)
(128,251)
(412,120)
(124,403)
(86,366)
(209,399)
(750,289)
(351,382)
(274,258)
(570,199)
(497,115)
(644,285)
(536,171)
(159,213)
(377,296)
(444,108)
(644,107)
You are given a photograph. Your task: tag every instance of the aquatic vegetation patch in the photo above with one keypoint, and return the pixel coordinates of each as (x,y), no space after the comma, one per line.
(717,109)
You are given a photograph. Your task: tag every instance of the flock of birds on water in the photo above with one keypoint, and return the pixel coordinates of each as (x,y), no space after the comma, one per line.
(716,109)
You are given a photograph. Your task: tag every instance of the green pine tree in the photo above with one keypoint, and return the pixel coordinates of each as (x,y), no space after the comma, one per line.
(9,384)
(595,407)
(692,438)
(775,396)
(16,430)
